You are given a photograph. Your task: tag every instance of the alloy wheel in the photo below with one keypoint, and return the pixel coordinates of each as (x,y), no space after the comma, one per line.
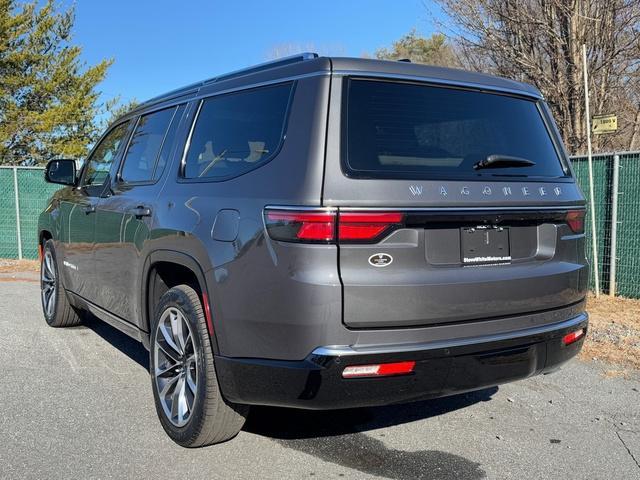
(48,284)
(175,366)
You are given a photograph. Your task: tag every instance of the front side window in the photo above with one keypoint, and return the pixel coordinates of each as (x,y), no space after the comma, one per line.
(237,132)
(405,130)
(142,154)
(99,164)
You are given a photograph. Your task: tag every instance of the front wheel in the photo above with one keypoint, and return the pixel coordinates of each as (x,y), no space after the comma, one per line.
(185,387)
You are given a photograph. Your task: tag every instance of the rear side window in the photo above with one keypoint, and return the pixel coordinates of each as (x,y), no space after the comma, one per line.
(403,130)
(237,132)
(144,148)
(168,143)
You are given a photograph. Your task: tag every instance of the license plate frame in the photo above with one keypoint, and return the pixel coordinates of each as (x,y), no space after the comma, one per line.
(485,245)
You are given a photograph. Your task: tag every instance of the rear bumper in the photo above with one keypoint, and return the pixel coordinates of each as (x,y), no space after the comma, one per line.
(442,368)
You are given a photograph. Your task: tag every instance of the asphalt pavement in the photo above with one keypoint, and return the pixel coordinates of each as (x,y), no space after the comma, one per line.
(77,403)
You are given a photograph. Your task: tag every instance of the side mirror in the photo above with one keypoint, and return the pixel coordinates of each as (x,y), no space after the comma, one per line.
(61,171)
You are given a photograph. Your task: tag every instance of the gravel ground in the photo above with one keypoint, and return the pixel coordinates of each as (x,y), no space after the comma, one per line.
(76,403)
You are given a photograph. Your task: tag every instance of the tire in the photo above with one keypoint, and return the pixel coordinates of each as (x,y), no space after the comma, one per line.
(56,308)
(187,396)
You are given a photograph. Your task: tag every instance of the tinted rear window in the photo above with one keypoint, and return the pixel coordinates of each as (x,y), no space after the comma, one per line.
(403,130)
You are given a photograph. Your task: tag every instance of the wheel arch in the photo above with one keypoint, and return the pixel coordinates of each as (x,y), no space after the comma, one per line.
(43,236)
(164,269)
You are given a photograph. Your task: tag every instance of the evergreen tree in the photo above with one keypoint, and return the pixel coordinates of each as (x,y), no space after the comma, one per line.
(48,96)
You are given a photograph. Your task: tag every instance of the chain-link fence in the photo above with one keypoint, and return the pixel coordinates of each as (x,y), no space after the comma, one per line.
(619,260)
(24,196)
(25,186)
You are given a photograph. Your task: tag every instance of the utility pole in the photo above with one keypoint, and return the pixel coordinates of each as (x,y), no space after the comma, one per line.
(595,267)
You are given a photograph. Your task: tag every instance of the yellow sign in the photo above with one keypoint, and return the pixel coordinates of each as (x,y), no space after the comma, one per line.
(604,124)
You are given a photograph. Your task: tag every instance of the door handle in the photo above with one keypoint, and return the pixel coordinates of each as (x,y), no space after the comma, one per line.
(89,209)
(141,211)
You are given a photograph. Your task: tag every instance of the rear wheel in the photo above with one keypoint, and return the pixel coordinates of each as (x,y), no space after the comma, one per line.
(185,387)
(57,310)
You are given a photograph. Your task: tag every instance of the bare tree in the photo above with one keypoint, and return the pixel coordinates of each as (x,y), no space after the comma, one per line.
(540,41)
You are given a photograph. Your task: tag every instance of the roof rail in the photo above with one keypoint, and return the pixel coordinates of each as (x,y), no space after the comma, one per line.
(194,87)
(280,62)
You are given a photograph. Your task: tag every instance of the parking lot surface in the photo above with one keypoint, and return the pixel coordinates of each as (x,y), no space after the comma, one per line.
(77,403)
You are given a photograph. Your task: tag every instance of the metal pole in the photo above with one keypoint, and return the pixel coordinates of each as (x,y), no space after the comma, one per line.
(614,224)
(17,200)
(596,272)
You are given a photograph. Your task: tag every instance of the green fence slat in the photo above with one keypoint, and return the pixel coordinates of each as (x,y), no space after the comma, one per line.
(8,230)
(34,193)
(628,244)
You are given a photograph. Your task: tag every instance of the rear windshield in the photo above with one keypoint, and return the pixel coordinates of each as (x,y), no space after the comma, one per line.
(403,130)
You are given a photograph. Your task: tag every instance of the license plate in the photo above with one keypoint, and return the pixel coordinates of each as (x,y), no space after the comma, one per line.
(485,245)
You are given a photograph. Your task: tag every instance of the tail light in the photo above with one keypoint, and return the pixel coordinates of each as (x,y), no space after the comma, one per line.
(329,226)
(379,370)
(367,226)
(301,226)
(575,220)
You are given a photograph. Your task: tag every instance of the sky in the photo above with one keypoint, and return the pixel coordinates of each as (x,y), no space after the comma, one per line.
(161,45)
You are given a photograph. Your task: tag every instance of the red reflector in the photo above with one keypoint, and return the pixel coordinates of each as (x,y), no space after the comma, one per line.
(207,312)
(575,220)
(366,225)
(573,337)
(378,370)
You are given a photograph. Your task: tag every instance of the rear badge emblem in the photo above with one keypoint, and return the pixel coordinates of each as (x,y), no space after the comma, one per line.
(380,259)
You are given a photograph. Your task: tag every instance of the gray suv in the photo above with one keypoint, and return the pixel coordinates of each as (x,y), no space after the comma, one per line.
(324,233)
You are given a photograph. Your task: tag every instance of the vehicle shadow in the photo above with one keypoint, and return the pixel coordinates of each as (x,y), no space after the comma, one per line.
(292,424)
(127,345)
(353,438)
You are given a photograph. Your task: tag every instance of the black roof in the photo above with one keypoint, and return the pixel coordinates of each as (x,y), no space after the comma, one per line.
(307,63)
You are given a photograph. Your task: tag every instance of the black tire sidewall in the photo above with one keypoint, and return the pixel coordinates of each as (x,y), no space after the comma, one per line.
(180,300)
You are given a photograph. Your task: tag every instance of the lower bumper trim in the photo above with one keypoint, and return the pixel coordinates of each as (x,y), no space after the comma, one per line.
(441,369)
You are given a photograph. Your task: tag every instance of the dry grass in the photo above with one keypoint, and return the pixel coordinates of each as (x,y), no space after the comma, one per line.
(16,266)
(614,334)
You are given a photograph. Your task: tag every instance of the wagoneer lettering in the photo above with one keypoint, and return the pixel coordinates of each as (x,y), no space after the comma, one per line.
(323,233)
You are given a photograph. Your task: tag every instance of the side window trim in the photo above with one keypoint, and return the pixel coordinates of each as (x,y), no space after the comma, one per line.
(200,102)
(164,139)
(152,180)
(187,144)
